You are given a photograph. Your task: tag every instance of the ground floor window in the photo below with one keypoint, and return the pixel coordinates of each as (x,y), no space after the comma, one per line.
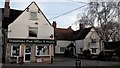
(81,49)
(15,50)
(62,49)
(42,50)
(94,50)
(28,49)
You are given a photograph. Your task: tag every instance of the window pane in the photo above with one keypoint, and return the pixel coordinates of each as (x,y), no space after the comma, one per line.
(42,50)
(15,50)
(28,49)
(27,57)
(33,31)
(93,50)
(62,49)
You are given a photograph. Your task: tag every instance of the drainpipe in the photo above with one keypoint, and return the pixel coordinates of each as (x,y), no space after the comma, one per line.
(54,25)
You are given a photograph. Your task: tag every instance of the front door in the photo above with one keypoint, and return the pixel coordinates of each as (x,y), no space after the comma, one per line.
(27,54)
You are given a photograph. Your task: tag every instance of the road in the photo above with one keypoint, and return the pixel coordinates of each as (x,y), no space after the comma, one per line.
(62,62)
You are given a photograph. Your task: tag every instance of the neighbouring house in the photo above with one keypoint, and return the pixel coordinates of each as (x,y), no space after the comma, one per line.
(28,34)
(88,38)
(80,40)
(64,39)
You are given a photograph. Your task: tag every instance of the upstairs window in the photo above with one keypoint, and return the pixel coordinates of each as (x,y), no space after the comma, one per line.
(33,15)
(33,31)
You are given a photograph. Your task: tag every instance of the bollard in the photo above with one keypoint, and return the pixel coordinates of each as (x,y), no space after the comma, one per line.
(78,63)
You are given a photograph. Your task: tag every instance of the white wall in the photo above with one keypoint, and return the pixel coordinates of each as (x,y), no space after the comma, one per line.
(79,44)
(89,45)
(86,43)
(61,43)
(19,28)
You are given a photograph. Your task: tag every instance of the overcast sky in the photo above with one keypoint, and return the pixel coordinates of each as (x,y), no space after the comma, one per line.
(53,8)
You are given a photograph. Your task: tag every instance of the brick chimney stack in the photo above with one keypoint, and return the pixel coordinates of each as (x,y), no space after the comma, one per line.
(54,24)
(81,26)
(6,8)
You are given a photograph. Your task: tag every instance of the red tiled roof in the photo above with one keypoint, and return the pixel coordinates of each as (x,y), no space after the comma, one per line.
(70,35)
(64,34)
(81,34)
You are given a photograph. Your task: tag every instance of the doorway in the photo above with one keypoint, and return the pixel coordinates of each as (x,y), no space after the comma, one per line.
(27,54)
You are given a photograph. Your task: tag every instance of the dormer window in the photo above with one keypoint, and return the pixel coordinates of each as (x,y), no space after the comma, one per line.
(33,15)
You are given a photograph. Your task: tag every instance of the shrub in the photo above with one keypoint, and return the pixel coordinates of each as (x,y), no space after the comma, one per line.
(87,53)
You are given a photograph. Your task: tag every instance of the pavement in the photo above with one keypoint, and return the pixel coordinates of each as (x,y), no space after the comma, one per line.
(62,62)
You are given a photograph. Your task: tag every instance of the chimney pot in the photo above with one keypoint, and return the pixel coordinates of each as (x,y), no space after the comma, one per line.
(54,24)
(6,8)
(81,26)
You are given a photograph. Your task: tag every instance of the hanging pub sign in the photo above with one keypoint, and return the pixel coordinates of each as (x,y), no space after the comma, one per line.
(32,41)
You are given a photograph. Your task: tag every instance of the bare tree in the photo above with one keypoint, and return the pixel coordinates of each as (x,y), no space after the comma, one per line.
(105,16)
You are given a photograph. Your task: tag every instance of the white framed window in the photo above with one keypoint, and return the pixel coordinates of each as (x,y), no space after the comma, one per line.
(15,50)
(94,50)
(62,49)
(42,50)
(33,31)
(33,15)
